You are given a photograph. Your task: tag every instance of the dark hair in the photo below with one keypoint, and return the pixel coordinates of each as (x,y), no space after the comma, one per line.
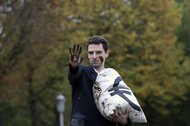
(98,40)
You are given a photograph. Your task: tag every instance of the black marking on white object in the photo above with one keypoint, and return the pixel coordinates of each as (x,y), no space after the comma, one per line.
(116,91)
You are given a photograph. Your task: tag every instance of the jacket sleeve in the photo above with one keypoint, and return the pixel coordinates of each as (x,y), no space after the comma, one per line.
(74,74)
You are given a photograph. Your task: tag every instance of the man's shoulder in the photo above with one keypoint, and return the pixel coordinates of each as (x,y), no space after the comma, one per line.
(87,68)
(109,71)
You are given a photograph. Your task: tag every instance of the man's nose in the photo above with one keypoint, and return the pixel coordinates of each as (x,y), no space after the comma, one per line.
(94,55)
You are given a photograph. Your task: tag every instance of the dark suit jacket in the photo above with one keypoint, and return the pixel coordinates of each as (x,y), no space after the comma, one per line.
(84,111)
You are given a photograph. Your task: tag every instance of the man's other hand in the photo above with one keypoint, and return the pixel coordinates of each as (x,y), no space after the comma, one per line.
(121,117)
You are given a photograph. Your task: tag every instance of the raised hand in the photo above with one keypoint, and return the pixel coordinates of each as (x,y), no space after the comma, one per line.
(75,58)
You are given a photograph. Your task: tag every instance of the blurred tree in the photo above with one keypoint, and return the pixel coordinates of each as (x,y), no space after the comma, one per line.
(29,61)
(152,60)
(143,44)
(184,29)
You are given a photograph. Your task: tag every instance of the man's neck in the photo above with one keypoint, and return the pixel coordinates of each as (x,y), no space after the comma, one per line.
(98,70)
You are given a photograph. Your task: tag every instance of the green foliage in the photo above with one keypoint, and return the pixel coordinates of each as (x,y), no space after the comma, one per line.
(151,59)
(184,29)
(30,78)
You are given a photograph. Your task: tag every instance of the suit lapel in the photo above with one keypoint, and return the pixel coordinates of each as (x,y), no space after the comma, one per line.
(93,73)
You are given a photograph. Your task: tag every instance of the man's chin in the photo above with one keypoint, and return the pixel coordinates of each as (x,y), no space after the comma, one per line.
(95,65)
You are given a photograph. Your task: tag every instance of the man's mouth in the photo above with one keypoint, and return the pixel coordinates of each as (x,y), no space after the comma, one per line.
(95,61)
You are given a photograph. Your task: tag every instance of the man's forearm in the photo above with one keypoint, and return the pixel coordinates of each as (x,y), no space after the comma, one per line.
(73,70)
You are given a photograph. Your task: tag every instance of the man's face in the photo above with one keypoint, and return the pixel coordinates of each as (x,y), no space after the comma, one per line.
(97,55)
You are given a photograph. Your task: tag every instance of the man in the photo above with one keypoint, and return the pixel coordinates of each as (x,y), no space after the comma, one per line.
(82,78)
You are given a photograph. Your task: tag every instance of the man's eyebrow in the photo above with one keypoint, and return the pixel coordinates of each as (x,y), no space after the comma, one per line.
(96,51)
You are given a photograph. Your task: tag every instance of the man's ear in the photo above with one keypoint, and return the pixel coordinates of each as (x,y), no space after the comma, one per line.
(107,53)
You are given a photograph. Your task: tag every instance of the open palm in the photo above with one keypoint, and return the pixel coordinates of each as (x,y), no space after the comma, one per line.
(75,58)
